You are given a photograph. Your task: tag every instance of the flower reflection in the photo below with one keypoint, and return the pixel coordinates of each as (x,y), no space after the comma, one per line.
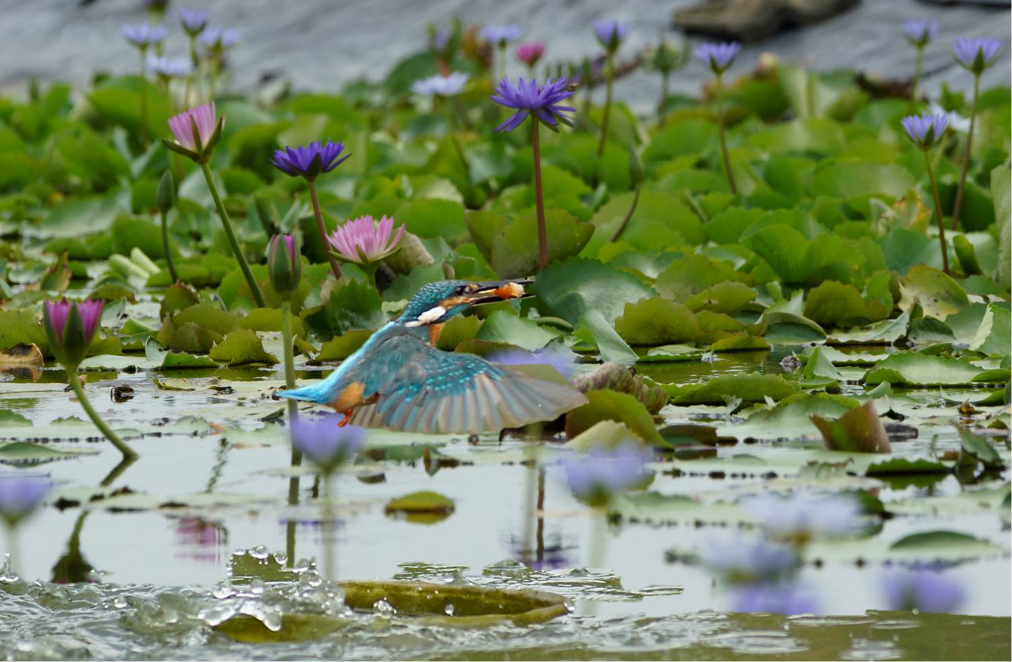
(789,598)
(552,553)
(201,539)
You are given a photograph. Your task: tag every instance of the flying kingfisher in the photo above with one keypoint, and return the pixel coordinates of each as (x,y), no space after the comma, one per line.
(400,381)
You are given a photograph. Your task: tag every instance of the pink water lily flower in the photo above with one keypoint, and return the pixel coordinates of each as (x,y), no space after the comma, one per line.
(71,333)
(363,241)
(204,118)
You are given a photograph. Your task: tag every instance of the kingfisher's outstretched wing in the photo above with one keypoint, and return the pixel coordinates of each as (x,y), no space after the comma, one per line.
(415,387)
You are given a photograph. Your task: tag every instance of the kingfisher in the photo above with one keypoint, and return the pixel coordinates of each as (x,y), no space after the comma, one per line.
(398,379)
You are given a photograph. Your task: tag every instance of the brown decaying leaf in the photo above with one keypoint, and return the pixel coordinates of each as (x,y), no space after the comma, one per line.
(858,431)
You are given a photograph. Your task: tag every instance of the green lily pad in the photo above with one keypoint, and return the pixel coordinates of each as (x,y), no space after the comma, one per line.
(916,369)
(594,330)
(657,321)
(790,418)
(938,294)
(343,346)
(573,288)
(881,333)
(694,274)
(515,250)
(23,452)
(424,507)
(751,387)
(502,326)
(240,347)
(611,405)
(838,304)
(979,448)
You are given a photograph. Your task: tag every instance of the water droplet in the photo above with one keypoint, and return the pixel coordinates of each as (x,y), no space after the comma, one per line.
(383,607)
(256,586)
(223,589)
(268,615)
(281,557)
(449,609)
(260,553)
(217,614)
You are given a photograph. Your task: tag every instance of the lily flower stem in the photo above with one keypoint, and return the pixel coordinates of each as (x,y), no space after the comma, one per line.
(957,206)
(628,216)
(330,530)
(322,229)
(662,104)
(293,413)
(144,100)
(193,74)
(723,138)
(75,383)
(938,212)
(607,105)
(168,252)
(13,548)
(918,64)
(453,136)
(539,199)
(233,242)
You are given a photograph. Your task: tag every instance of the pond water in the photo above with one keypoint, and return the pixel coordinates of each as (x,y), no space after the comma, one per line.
(213,481)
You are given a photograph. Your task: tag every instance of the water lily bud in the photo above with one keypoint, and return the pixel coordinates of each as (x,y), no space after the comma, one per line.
(283,263)
(70,328)
(635,167)
(166,197)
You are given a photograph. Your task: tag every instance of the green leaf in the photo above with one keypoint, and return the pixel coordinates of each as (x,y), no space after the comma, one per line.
(240,347)
(859,430)
(341,347)
(819,365)
(944,543)
(694,274)
(484,227)
(433,218)
(595,330)
(502,326)
(850,179)
(750,387)
(884,332)
(423,507)
(22,327)
(837,304)
(603,435)
(611,405)
(938,294)
(657,321)
(790,418)
(572,288)
(208,316)
(1001,191)
(726,297)
(994,335)
(917,369)
(515,251)
(979,448)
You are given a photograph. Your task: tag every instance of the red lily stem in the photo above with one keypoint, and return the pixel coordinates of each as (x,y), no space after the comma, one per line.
(322,229)
(957,207)
(539,199)
(938,213)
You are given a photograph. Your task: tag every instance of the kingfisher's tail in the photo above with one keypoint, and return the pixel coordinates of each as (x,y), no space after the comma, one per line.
(310,393)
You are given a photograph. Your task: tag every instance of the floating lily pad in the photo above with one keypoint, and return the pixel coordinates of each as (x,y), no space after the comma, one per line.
(240,347)
(424,507)
(752,387)
(859,430)
(916,369)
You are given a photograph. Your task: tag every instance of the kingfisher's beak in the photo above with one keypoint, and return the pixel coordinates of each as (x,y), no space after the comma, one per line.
(499,290)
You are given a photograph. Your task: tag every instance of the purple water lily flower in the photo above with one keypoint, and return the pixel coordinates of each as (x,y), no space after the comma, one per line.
(501,35)
(70,327)
(976,53)
(169,67)
(596,475)
(441,86)
(784,597)
(325,443)
(205,119)
(923,590)
(193,20)
(59,311)
(611,34)
(528,97)
(309,161)
(20,495)
(803,515)
(143,35)
(748,558)
(216,38)
(920,31)
(364,242)
(718,56)
(562,359)
(925,130)
(530,52)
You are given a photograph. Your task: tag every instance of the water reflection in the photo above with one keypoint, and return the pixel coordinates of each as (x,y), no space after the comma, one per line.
(72,567)
(200,539)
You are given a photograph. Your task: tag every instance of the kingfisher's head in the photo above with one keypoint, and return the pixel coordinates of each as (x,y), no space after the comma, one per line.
(436,303)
